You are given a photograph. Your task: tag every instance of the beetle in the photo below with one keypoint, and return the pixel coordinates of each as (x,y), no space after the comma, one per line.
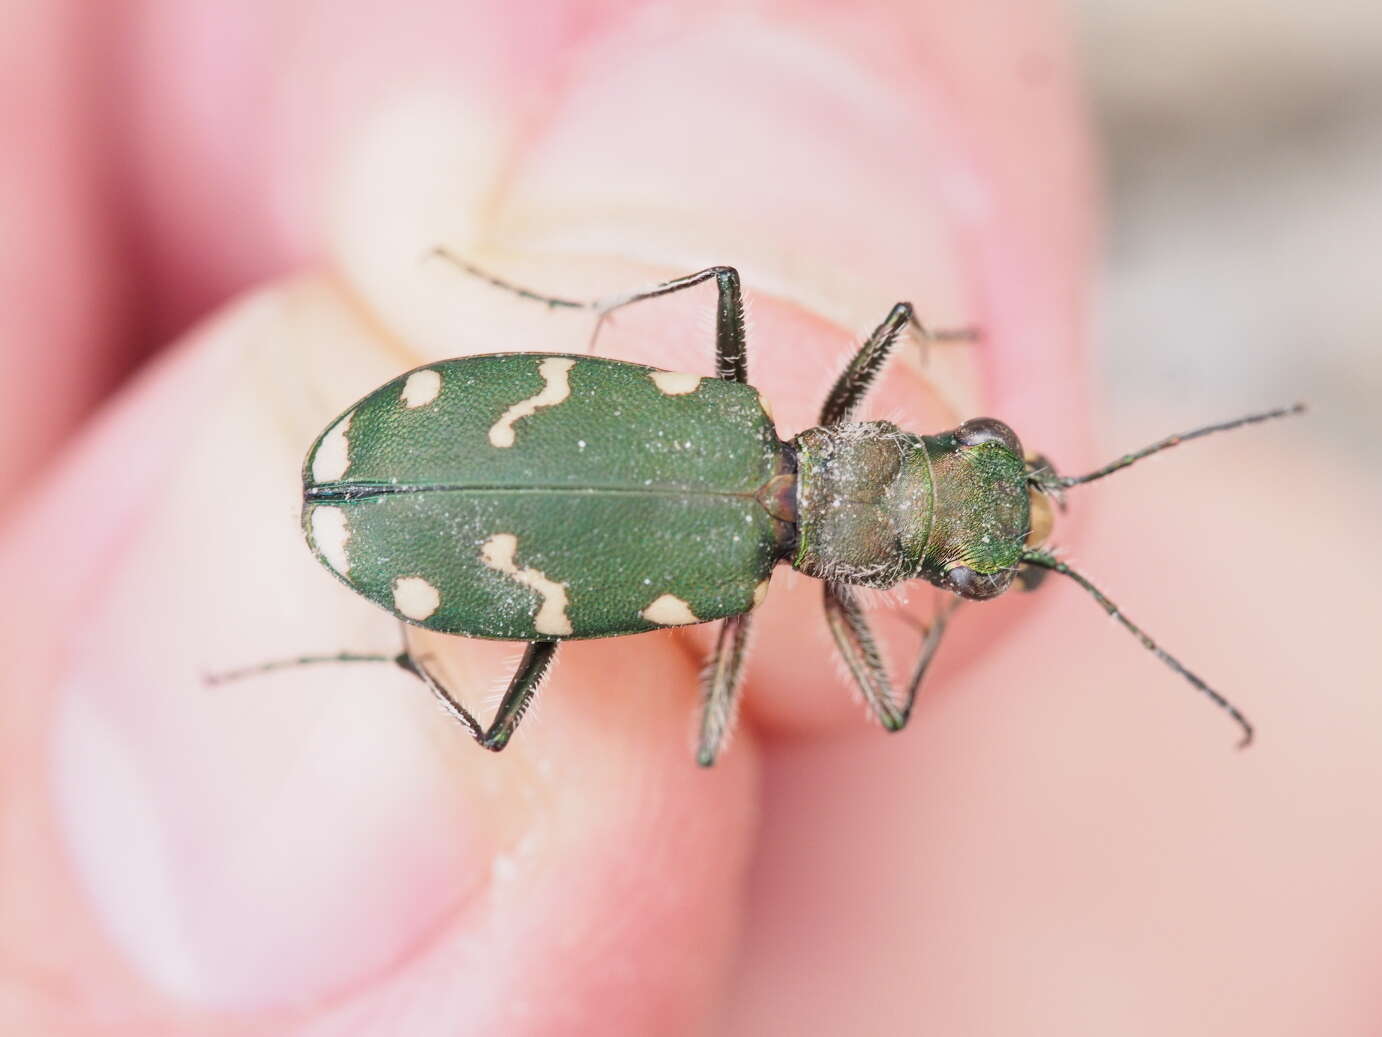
(544,497)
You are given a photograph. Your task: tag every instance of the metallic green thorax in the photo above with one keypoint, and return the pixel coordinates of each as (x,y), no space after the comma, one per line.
(537,496)
(878,505)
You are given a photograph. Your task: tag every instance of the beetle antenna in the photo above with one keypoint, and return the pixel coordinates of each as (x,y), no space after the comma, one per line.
(1049,561)
(1059,482)
(229,676)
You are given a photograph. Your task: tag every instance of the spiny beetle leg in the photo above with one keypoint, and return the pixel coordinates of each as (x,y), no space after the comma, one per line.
(537,660)
(731,357)
(519,696)
(720,684)
(860,652)
(550,301)
(458,712)
(859,374)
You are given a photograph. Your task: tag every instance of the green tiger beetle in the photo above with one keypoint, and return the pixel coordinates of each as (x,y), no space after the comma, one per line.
(544,497)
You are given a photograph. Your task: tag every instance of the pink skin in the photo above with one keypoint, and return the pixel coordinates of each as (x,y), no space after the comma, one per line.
(59,286)
(1047,849)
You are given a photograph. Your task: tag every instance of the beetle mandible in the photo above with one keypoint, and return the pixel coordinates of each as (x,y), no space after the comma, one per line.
(479,496)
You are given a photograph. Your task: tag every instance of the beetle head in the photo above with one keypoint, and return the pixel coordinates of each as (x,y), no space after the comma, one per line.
(982,517)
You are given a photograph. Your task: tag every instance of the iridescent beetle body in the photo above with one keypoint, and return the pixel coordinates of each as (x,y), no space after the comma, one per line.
(627,500)
(544,497)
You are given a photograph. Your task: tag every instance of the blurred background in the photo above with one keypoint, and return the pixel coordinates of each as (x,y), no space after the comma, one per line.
(1242,144)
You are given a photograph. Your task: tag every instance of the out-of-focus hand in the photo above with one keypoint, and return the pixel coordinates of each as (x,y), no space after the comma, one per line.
(1046,849)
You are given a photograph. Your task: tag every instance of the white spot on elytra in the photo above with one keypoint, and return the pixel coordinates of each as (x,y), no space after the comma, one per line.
(421,388)
(669,611)
(329,535)
(675,383)
(332,458)
(498,553)
(415,597)
(556,388)
(759,593)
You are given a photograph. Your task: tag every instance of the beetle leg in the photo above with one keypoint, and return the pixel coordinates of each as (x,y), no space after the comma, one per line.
(550,301)
(859,374)
(860,651)
(458,712)
(721,680)
(259,669)
(731,355)
(731,358)
(537,660)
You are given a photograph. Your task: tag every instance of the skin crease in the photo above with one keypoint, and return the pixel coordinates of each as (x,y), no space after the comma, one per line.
(1063,841)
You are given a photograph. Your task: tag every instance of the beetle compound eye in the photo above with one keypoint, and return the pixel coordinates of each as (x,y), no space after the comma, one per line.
(988,430)
(967,583)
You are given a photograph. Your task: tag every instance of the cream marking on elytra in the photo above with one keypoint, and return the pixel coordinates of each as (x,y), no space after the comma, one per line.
(557,388)
(330,534)
(421,388)
(675,383)
(759,593)
(669,611)
(415,597)
(767,406)
(332,458)
(498,553)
